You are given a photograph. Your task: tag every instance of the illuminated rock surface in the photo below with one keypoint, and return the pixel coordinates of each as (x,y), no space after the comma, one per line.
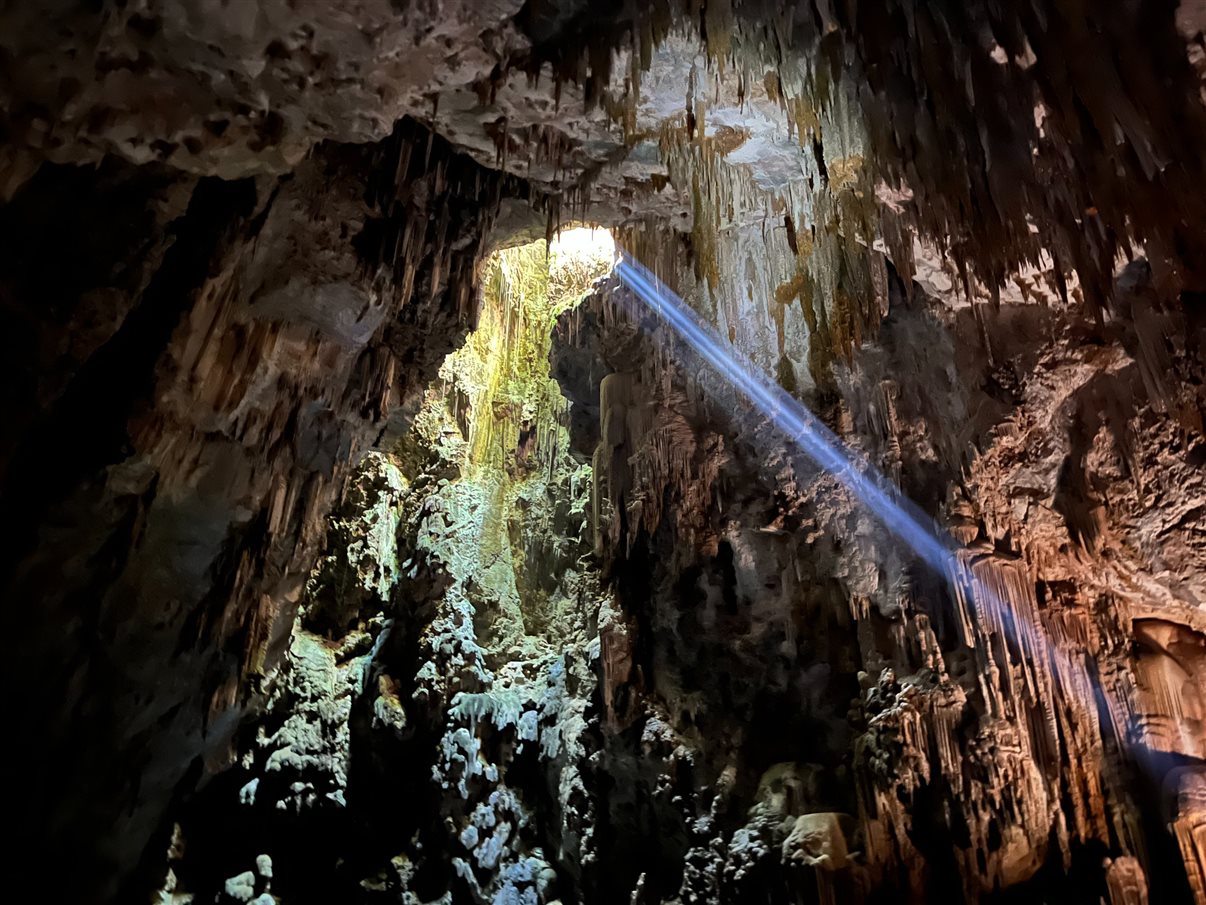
(347,557)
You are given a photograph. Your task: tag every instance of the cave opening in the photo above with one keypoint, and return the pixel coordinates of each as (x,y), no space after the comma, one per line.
(476,520)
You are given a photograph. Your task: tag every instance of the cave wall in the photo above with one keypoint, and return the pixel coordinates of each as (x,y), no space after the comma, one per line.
(954,738)
(195,365)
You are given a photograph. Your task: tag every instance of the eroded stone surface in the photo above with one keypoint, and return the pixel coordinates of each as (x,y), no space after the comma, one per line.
(192,440)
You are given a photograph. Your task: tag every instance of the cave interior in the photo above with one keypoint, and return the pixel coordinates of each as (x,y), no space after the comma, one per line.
(604,452)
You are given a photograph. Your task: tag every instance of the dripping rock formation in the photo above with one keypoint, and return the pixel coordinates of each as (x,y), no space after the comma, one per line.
(368,538)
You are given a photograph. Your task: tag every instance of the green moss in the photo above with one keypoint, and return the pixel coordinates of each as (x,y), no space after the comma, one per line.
(496,422)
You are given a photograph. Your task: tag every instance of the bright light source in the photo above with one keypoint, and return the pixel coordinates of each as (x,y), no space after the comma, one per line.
(576,258)
(584,242)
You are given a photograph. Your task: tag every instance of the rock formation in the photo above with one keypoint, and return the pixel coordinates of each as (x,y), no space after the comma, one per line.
(361,543)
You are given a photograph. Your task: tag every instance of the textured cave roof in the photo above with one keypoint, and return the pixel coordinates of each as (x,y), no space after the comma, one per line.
(247,89)
(1014,139)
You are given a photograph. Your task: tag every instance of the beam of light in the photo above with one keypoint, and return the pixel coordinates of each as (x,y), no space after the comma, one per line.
(899,515)
(916,531)
(790,417)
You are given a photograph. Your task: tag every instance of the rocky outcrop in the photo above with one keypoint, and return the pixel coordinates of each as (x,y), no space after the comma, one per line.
(425,738)
(767,697)
(1005,726)
(192,405)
